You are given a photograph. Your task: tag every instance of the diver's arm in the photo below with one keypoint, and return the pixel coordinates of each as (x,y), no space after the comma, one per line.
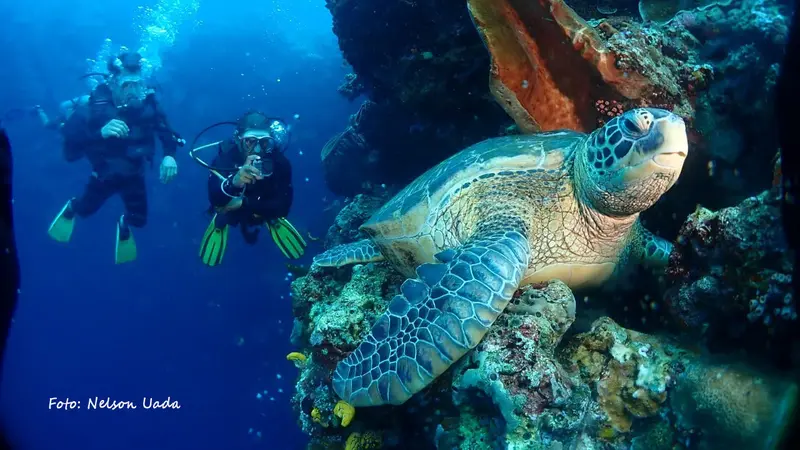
(222,192)
(170,140)
(47,122)
(169,144)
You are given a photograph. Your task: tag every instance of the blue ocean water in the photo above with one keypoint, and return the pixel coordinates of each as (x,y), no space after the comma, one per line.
(164,326)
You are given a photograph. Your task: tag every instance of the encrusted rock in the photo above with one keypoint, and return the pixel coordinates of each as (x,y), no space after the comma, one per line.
(730,276)
(351,217)
(733,406)
(347,159)
(514,364)
(521,387)
(630,371)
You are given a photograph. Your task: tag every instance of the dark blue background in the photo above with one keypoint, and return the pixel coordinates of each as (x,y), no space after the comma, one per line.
(164,325)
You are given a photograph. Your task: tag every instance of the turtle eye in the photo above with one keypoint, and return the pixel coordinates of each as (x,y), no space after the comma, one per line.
(631,127)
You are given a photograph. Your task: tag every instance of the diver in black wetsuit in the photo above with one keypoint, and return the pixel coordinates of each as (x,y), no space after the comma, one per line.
(116,132)
(250,185)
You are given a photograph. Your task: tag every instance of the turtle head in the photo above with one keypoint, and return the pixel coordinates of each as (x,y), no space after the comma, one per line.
(631,161)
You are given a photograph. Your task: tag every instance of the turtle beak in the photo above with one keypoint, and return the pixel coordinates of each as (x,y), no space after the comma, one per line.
(674,143)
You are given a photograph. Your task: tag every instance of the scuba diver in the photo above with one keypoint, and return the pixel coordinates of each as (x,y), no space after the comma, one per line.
(250,186)
(116,132)
(65,111)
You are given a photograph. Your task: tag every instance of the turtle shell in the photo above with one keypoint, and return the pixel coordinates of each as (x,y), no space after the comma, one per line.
(403,229)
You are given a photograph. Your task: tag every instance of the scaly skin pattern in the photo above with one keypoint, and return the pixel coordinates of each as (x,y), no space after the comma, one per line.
(568,240)
(503,213)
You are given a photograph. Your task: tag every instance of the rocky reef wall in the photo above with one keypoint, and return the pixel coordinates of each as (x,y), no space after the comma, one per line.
(540,379)
(439,75)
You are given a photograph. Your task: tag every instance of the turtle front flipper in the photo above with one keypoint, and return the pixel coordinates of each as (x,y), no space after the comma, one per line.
(363,251)
(655,250)
(434,321)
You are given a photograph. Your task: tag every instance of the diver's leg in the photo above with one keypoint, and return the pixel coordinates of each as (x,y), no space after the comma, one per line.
(93,197)
(134,196)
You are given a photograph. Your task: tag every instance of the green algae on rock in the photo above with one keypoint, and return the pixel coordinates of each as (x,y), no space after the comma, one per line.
(336,315)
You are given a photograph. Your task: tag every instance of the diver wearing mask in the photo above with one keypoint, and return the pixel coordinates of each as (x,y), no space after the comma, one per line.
(250,185)
(116,132)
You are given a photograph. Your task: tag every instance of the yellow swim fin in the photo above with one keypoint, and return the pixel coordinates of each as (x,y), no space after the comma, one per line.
(62,226)
(125,248)
(215,241)
(287,238)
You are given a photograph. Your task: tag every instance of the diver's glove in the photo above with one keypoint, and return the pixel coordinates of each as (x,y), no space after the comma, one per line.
(39,111)
(115,128)
(247,174)
(169,168)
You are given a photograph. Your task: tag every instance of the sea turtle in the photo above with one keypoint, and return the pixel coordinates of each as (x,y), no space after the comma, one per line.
(504,213)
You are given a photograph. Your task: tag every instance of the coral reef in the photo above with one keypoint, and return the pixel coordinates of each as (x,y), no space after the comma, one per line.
(424,67)
(329,327)
(744,43)
(730,277)
(332,311)
(522,388)
(363,441)
(514,375)
(630,371)
(356,212)
(351,87)
(531,385)
(733,406)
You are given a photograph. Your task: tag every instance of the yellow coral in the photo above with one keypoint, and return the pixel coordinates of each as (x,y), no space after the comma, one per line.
(344,411)
(363,441)
(298,358)
(316,416)
(606,432)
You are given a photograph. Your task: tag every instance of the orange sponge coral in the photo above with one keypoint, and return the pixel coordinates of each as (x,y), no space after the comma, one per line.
(549,66)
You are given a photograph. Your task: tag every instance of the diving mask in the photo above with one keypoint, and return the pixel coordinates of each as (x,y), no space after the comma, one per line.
(253,144)
(272,139)
(130,91)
